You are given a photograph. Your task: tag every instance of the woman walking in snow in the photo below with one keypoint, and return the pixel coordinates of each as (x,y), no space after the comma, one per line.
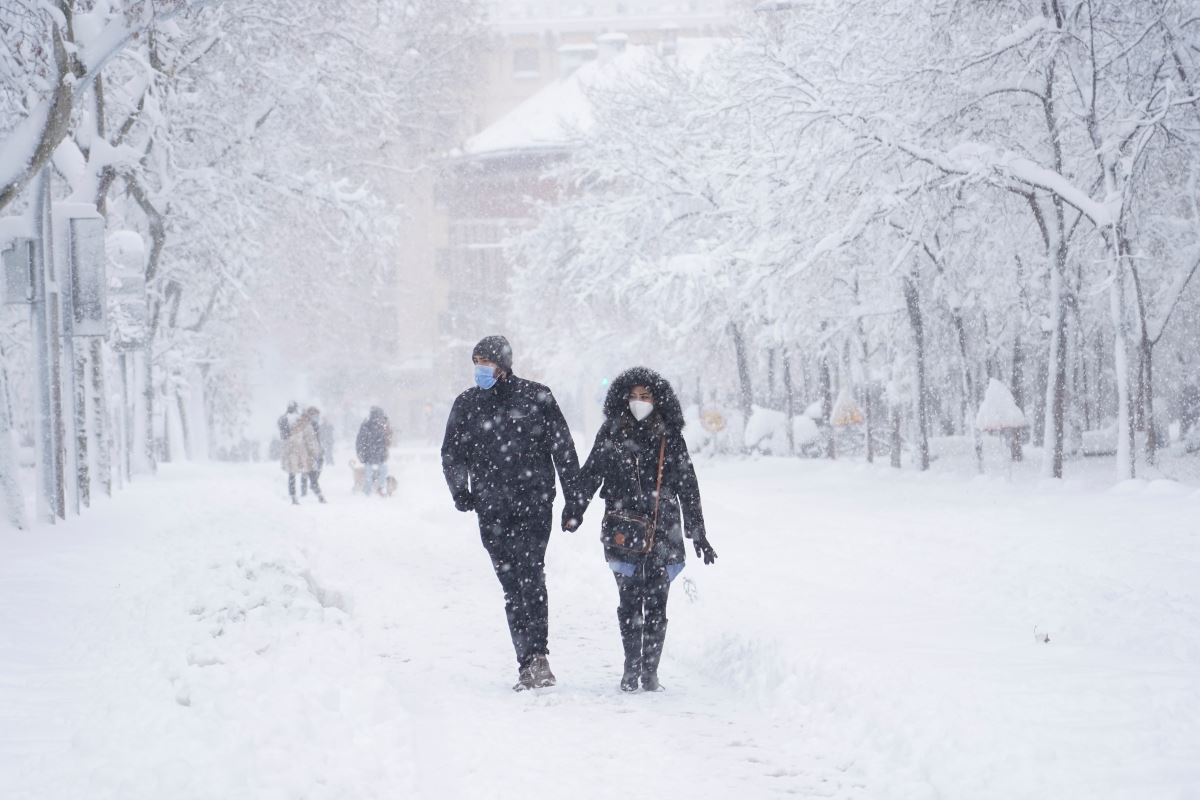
(641,466)
(301,449)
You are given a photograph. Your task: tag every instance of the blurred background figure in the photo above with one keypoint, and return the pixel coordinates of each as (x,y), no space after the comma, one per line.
(371,447)
(301,450)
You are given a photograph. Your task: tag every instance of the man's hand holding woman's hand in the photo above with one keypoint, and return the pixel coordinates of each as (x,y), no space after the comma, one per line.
(571,520)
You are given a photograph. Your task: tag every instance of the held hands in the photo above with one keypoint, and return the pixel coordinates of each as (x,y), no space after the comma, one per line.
(705,551)
(464,501)
(571,520)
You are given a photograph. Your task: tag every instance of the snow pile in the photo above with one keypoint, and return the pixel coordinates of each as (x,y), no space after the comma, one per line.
(193,638)
(805,430)
(727,439)
(999,411)
(766,431)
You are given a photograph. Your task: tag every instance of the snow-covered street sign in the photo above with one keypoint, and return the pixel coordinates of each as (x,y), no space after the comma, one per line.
(18,272)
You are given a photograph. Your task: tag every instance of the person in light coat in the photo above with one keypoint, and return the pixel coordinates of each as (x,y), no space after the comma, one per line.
(301,452)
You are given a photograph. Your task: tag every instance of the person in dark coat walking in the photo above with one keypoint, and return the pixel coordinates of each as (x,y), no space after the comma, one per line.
(371,447)
(504,440)
(643,426)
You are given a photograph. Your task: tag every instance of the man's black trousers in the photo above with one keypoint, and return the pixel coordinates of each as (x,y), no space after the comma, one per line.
(516,542)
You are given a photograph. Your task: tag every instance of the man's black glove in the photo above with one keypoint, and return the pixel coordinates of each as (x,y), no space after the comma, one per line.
(704,550)
(571,520)
(464,501)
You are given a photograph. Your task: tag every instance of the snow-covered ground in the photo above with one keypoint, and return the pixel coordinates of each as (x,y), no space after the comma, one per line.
(865,634)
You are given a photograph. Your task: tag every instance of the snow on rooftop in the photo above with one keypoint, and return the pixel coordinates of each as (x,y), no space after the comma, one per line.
(556,115)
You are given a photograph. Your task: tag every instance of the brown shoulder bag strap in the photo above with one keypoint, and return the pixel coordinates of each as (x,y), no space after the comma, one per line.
(662,454)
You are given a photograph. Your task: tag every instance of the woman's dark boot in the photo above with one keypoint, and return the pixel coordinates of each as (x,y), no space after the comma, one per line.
(631,640)
(652,645)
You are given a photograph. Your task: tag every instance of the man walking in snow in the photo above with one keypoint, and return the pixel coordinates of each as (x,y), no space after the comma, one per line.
(504,440)
(371,447)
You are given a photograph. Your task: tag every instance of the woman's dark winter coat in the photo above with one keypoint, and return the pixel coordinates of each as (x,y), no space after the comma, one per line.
(623,465)
(374,438)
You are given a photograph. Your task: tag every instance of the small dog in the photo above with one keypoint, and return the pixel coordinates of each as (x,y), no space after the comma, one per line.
(360,479)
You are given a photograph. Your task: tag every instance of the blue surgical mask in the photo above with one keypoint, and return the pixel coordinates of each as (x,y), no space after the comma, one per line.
(485,376)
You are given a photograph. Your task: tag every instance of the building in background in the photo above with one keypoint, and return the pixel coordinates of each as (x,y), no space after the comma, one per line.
(454,279)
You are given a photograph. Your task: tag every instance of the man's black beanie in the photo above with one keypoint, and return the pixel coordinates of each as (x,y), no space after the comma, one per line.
(495,349)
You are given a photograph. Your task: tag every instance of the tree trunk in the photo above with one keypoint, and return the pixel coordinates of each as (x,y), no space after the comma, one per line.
(1146,392)
(971,401)
(181,404)
(127,418)
(789,401)
(746,395)
(896,440)
(101,434)
(83,471)
(826,379)
(868,416)
(913,303)
(772,399)
(1018,390)
(148,394)
(43,323)
(1056,382)
(1125,429)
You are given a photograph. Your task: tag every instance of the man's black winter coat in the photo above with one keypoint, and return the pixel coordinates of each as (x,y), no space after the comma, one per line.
(502,446)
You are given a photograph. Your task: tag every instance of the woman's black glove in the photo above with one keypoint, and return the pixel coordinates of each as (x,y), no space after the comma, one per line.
(704,550)
(571,519)
(464,500)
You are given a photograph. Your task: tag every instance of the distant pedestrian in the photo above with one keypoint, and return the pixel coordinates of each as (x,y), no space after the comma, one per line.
(301,449)
(325,434)
(641,466)
(322,457)
(504,440)
(374,439)
(288,419)
(1189,410)
(284,426)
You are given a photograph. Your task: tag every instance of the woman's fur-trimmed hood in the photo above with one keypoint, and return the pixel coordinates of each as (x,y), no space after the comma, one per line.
(666,403)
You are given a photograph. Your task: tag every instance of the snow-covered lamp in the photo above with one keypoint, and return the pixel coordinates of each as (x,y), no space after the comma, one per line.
(999,412)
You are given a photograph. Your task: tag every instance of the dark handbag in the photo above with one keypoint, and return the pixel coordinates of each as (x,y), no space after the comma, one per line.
(631,533)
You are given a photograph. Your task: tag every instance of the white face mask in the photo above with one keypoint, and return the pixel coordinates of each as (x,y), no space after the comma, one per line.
(640,409)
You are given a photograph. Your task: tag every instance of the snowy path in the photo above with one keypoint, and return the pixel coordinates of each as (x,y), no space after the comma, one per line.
(864,635)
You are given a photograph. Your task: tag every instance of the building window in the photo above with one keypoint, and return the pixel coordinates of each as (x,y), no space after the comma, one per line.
(526,63)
